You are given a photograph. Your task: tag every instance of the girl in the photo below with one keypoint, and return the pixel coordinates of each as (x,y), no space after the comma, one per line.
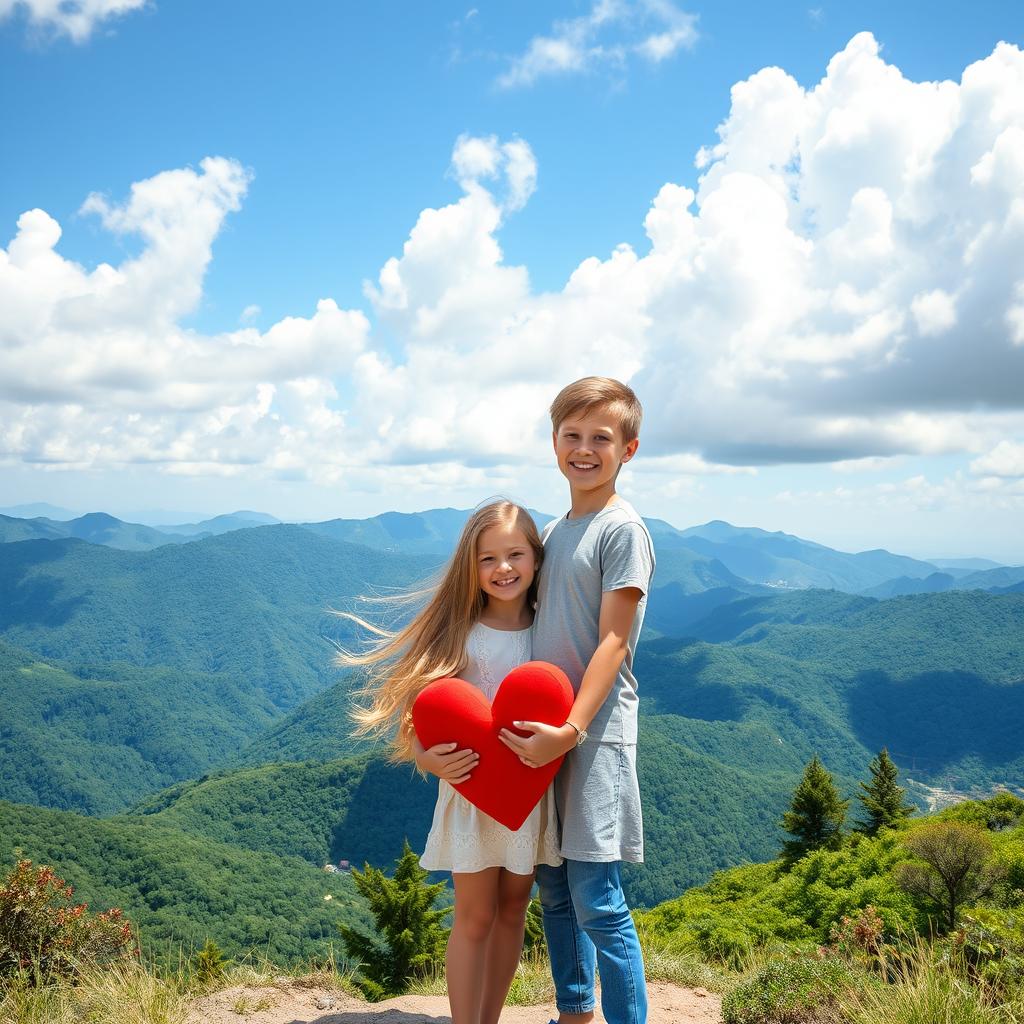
(476,625)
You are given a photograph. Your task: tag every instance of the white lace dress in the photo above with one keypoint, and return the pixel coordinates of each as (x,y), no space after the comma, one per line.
(462,838)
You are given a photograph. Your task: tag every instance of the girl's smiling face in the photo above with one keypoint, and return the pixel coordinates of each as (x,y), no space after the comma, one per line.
(505,563)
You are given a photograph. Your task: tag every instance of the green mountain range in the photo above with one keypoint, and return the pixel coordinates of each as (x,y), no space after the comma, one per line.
(93,740)
(1001,579)
(253,605)
(95,527)
(187,692)
(179,888)
(101,528)
(728,722)
(728,553)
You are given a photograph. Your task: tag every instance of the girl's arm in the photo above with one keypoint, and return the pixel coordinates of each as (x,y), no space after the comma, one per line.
(444,761)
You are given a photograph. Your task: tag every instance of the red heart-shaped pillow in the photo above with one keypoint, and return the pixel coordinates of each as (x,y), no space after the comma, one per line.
(452,710)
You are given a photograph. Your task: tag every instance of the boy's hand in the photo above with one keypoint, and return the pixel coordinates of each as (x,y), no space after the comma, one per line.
(444,761)
(546,743)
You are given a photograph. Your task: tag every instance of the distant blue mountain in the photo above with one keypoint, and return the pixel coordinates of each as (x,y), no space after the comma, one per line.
(970,564)
(39,510)
(783,561)
(94,527)
(1004,579)
(14,529)
(222,524)
(936,583)
(714,558)
(433,532)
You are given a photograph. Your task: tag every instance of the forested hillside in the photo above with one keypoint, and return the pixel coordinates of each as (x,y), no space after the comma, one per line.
(194,684)
(357,809)
(93,740)
(699,813)
(936,678)
(180,888)
(728,722)
(251,604)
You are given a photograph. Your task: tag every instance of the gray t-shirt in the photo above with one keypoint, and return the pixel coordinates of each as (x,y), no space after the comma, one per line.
(583,559)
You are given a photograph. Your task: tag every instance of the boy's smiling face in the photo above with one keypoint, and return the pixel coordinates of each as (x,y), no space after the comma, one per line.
(590,449)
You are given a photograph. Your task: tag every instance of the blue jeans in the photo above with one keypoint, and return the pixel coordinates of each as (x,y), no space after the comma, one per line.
(587,922)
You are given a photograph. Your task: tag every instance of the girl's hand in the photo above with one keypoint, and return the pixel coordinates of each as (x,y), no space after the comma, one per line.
(444,761)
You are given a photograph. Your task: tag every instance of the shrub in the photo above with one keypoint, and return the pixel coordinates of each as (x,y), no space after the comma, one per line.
(955,864)
(412,940)
(533,937)
(209,963)
(859,939)
(991,942)
(925,990)
(799,990)
(43,936)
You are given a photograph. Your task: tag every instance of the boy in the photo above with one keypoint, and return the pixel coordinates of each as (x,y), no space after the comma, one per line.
(598,563)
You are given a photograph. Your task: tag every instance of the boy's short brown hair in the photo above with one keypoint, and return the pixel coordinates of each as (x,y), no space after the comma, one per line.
(589,393)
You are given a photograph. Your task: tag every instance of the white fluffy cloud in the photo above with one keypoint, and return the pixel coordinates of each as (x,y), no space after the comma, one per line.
(96,369)
(609,35)
(841,283)
(1005,460)
(73,18)
(843,260)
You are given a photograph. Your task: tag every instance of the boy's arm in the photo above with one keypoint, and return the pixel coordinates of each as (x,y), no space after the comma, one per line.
(615,621)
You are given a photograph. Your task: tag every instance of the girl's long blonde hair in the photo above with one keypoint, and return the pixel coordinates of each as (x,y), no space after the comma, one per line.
(433,645)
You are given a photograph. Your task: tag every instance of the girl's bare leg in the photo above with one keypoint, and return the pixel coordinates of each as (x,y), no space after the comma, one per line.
(476,903)
(506,943)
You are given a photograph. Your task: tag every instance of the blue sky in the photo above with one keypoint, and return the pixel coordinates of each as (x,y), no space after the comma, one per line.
(815,350)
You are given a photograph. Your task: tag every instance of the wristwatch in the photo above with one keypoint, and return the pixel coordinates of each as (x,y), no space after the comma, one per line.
(581,734)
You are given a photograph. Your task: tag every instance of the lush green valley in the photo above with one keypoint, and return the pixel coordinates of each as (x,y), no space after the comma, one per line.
(936,678)
(193,684)
(93,740)
(252,604)
(699,813)
(180,888)
(357,809)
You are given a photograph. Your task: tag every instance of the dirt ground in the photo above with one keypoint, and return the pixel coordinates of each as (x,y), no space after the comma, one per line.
(669,1004)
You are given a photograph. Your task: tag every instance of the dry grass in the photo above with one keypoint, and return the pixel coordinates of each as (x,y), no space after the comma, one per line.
(531,985)
(124,992)
(129,992)
(926,992)
(667,960)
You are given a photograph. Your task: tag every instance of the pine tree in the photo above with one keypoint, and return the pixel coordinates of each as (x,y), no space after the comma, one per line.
(409,925)
(882,797)
(816,815)
(209,963)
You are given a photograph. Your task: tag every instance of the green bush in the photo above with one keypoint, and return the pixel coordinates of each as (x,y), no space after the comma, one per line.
(759,906)
(991,942)
(209,963)
(927,988)
(43,936)
(411,940)
(533,937)
(799,990)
